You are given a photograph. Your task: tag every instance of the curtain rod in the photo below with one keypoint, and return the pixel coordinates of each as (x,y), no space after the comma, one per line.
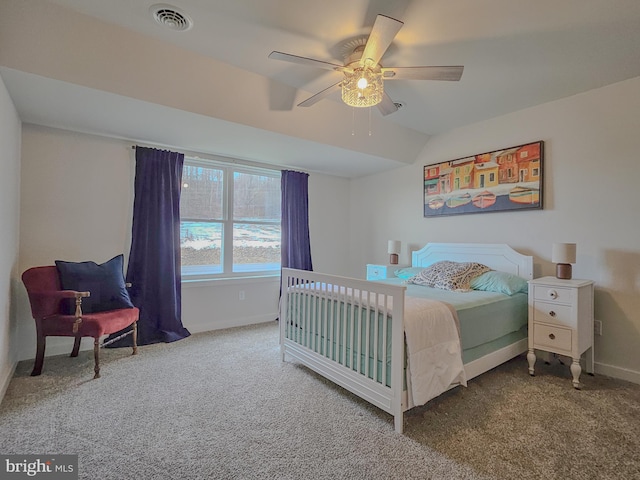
(213,157)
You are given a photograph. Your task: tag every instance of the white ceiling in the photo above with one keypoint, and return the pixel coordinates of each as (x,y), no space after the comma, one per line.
(516,53)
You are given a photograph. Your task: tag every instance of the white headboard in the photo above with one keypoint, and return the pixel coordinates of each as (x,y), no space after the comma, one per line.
(498,256)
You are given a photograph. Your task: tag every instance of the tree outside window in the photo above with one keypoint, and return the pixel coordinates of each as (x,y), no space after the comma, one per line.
(230,220)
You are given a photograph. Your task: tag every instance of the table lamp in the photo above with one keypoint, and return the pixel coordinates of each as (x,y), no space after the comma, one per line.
(393,250)
(563,255)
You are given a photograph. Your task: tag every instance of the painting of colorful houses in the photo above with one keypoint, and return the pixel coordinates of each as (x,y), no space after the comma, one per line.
(508,179)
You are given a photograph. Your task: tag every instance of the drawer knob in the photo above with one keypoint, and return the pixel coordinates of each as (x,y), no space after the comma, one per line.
(552,313)
(552,336)
(552,294)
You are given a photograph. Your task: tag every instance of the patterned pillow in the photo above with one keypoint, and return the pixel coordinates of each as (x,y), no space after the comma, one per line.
(447,275)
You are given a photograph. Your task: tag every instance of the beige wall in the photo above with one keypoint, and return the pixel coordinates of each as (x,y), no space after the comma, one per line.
(10,127)
(592,174)
(77,195)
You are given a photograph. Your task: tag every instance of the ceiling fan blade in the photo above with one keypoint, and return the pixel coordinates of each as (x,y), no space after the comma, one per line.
(423,73)
(387,106)
(320,95)
(382,34)
(287,57)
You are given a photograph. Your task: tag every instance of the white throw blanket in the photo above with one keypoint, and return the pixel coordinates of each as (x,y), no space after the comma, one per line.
(434,353)
(432,335)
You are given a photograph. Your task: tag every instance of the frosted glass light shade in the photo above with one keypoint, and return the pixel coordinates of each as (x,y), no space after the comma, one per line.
(363,87)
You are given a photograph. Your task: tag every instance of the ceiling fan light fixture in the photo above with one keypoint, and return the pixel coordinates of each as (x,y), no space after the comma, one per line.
(363,87)
(363,79)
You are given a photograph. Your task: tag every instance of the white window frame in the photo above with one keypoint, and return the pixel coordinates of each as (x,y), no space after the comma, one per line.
(203,272)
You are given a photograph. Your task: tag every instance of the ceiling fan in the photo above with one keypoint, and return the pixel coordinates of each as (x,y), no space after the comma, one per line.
(363,82)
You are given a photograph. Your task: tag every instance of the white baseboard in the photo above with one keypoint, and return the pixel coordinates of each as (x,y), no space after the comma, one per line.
(64,345)
(5,379)
(237,322)
(617,372)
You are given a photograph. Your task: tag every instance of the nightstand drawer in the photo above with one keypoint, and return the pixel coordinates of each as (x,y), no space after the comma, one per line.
(553,313)
(553,294)
(555,339)
(376,272)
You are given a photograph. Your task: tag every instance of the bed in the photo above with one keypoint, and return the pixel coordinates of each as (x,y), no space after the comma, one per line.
(398,345)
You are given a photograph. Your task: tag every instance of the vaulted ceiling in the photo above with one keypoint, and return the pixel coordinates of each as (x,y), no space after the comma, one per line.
(108,68)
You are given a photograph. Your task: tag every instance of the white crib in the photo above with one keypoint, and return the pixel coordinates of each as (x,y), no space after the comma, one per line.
(345,329)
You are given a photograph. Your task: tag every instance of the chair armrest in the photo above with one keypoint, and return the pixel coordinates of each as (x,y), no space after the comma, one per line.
(77,294)
(45,303)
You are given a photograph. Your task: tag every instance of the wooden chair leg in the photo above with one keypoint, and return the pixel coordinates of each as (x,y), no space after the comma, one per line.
(40,346)
(135,338)
(96,355)
(76,347)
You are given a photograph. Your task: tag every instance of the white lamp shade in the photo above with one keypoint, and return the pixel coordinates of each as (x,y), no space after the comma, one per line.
(394,246)
(563,253)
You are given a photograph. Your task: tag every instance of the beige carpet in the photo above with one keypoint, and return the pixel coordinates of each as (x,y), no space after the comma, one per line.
(222,405)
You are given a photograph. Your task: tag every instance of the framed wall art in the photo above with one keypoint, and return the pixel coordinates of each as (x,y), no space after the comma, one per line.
(507,179)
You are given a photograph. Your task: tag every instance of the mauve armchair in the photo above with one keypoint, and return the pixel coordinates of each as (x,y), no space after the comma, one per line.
(48,301)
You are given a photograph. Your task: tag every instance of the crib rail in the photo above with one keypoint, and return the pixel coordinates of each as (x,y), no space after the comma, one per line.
(348,330)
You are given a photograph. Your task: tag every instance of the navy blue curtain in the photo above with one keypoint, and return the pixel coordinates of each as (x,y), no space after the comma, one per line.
(154,260)
(295,245)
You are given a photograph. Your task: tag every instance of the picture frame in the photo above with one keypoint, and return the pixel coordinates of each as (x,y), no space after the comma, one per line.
(502,180)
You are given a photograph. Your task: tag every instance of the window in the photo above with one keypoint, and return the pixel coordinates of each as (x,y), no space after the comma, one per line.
(229,220)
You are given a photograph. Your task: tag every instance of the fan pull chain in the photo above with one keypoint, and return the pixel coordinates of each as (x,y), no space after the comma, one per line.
(369,121)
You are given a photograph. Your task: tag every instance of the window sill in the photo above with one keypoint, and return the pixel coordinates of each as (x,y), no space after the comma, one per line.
(191,281)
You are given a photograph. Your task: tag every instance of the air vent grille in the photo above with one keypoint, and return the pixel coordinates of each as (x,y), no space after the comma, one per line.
(171,17)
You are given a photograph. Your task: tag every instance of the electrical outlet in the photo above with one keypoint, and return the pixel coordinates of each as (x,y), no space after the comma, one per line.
(597,327)
(241,295)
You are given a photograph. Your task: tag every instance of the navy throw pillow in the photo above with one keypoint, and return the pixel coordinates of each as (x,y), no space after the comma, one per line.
(105,282)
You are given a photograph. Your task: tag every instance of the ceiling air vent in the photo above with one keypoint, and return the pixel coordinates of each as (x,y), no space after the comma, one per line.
(171,17)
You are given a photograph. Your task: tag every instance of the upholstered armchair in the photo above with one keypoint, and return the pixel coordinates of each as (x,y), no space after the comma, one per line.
(59,312)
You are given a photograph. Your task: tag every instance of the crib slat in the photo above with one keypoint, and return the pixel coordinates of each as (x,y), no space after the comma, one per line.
(361,314)
(376,312)
(307,323)
(367,335)
(341,304)
(385,319)
(353,358)
(335,310)
(348,305)
(328,307)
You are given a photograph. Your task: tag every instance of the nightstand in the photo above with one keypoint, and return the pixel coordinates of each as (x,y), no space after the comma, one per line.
(380,272)
(561,321)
